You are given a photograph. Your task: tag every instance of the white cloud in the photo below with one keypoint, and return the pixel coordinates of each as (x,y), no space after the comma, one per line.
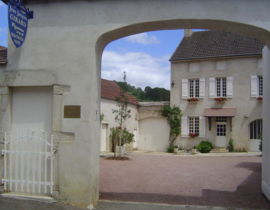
(141,69)
(3,30)
(143,38)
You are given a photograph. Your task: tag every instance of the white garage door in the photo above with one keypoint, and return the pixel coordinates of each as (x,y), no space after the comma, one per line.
(154,134)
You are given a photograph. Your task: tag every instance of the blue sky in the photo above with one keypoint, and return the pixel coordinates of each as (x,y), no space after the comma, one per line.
(144,57)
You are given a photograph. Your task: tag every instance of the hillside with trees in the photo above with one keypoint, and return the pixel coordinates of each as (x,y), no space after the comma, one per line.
(148,94)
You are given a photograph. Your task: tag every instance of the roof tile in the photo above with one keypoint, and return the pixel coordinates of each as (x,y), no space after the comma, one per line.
(110,90)
(211,44)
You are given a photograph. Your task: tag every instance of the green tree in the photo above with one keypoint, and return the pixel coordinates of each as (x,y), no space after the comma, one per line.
(122,114)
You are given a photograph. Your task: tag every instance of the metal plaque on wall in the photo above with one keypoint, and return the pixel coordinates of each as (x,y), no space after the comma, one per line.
(72,111)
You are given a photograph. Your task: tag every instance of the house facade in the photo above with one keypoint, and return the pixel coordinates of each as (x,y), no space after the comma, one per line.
(217,81)
(150,129)
(110,90)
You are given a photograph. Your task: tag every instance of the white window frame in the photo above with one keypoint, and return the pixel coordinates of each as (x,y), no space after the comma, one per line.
(223,87)
(260,85)
(195,85)
(195,125)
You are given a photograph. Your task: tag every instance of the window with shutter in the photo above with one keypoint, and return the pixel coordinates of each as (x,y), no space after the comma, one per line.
(194,125)
(260,85)
(221,87)
(194,88)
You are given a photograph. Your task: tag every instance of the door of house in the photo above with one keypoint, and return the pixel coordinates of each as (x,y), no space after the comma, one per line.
(221,134)
(103,137)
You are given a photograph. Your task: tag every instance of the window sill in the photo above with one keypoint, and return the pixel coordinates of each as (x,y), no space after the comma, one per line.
(220,100)
(193,100)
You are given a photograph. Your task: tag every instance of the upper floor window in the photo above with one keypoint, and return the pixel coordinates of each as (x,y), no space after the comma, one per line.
(221,87)
(260,83)
(256,86)
(194,88)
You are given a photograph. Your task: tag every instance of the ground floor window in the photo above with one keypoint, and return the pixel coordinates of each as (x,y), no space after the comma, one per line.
(194,125)
(255,128)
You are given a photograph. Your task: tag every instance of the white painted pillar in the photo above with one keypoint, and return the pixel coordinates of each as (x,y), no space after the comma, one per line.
(266,124)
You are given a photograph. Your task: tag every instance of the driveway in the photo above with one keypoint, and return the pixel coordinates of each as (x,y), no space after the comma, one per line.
(184,180)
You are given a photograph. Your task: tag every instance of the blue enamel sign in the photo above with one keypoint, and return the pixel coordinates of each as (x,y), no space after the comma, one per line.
(18,21)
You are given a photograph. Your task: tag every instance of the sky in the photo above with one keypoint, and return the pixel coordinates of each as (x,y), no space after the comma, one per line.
(144,57)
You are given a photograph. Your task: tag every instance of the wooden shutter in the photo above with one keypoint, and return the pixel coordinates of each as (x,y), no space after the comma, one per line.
(229,87)
(202,87)
(184,126)
(202,127)
(184,88)
(254,86)
(212,87)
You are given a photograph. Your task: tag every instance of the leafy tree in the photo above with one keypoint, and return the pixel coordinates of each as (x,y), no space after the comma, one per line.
(122,114)
(173,116)
(149,94)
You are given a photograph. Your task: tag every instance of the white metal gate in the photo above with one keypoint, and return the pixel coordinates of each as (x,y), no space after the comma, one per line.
(28,163)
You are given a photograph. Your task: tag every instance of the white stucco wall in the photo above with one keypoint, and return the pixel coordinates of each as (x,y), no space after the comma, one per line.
(106,107)
(241,70)
(64,45)
(154,134)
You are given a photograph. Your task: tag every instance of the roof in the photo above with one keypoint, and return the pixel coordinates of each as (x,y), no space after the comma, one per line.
(3,55)
(219,112)
(213,44)
(110,90)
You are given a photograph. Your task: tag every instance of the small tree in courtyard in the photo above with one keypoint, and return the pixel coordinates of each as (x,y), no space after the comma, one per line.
(122,114)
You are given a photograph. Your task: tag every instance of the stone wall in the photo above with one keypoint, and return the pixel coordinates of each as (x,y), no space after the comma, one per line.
(150,109)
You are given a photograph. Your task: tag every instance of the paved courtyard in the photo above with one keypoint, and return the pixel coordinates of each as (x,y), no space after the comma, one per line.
(184,180)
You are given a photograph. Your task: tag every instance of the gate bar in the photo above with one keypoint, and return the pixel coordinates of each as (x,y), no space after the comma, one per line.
(5,162)
(10,160)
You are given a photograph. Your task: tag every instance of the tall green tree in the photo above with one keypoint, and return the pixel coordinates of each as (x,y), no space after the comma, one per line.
(122,114)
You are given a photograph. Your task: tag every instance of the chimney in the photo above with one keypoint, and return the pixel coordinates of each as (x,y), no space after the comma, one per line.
(188,33)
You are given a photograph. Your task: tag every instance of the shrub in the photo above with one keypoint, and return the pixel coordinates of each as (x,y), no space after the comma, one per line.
(205,146)
(231,147)
(170,149)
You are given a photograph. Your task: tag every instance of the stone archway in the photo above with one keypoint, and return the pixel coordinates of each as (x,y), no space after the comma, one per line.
(65,41)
